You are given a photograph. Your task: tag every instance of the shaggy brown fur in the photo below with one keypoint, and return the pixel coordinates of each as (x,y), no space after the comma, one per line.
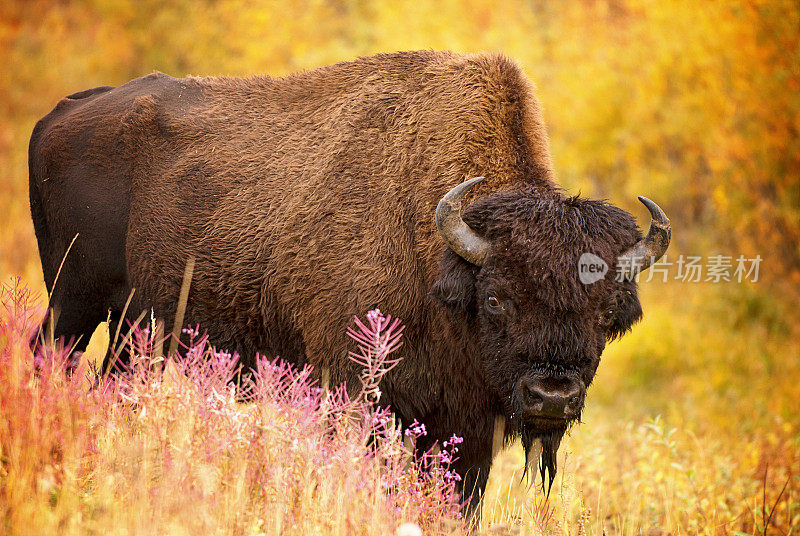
(311,198)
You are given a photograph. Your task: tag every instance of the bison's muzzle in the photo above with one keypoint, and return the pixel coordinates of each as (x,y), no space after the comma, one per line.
(558,399)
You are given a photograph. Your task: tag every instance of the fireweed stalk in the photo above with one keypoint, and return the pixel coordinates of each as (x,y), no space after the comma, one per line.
(375,342)
(169,446)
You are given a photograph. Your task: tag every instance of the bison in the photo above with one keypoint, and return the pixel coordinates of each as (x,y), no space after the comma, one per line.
(307,199)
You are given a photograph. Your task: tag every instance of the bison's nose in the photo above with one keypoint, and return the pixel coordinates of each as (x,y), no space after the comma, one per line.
(560,398)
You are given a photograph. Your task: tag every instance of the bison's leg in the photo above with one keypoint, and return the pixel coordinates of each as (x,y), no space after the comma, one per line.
(84,286)
(473,462)
(472,487)
(74,315)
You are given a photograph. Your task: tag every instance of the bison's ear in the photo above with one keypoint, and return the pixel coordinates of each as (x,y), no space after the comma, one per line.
(456,287)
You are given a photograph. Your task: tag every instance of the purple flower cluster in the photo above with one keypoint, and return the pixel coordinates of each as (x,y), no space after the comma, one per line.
(416,430)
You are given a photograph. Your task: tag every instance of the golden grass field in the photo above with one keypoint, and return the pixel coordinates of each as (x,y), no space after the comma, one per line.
(692,425)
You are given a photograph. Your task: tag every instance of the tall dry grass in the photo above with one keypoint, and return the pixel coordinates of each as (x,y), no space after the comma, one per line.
(689,429)
(172,449)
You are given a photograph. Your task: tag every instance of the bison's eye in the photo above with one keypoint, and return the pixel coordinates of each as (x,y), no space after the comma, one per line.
(493,303)
(605,318)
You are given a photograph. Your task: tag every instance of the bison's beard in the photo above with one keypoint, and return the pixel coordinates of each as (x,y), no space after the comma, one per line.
(540,440)
(541,449)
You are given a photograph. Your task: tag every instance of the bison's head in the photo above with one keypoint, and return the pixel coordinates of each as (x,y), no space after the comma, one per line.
(512,274)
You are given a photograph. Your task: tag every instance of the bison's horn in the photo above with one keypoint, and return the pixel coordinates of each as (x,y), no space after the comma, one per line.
(457,234)
(649,249)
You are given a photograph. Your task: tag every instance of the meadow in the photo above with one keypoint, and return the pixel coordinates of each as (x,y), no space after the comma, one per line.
(692,425)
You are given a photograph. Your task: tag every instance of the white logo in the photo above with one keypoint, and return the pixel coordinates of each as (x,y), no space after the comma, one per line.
(591,268)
